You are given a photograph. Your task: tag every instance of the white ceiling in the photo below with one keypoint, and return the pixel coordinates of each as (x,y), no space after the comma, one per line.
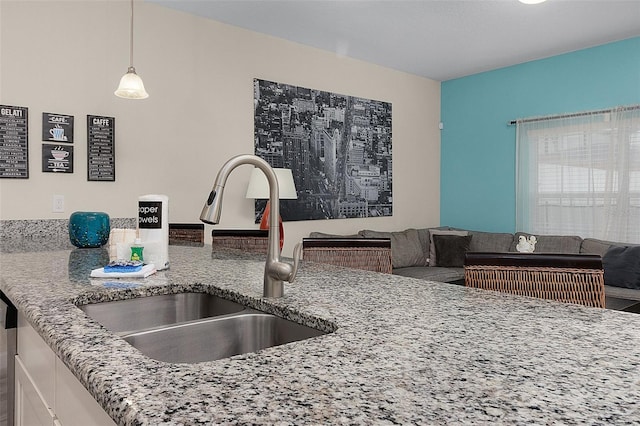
(437,39)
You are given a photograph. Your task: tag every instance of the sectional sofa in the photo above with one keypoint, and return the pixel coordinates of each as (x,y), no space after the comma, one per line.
(437,254)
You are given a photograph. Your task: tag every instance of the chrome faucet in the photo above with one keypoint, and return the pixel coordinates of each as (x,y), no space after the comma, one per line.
(275,271)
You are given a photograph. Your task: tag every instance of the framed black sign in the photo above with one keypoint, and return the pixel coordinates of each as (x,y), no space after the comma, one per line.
(57,158)
(57,127)
(14,142)
(101,153)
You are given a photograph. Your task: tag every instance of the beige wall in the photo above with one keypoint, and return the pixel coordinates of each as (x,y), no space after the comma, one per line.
(68,56)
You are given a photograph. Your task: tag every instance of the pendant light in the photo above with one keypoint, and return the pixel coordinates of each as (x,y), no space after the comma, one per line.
(532,1)
(131,86)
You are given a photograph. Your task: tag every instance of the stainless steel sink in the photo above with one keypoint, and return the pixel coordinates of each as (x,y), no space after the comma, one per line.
(126,316)
(217,338)
(194,327)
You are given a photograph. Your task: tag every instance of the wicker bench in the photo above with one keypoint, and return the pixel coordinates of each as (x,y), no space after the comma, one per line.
(186,234)
(570,278)
(371,254)
(251,240)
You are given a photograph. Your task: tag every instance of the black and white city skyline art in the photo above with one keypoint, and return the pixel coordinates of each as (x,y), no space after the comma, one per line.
(337,146)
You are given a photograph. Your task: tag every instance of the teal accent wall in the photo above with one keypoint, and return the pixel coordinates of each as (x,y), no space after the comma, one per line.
(477,179)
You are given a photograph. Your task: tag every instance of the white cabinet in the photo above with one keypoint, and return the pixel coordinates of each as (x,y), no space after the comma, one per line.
(31,407)
(47,393)
(74,404)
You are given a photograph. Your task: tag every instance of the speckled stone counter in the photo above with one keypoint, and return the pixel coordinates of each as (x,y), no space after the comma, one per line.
(404,351)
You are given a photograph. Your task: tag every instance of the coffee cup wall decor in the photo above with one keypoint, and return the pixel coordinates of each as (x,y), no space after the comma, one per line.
(57,127)
(58,133)
(59,154)
(57,158)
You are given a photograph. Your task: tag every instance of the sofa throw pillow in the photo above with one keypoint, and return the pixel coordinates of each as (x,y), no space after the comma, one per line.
(406,249)
(450,250)
(432,246)
(622,266)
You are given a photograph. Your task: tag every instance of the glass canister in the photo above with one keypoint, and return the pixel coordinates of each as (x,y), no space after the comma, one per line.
(89,229)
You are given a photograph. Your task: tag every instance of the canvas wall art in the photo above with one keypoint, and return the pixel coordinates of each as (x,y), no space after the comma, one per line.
(337,146)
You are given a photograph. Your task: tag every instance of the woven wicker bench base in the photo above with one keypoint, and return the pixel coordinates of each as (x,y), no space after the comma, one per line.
(570,285)
(367,258)
(251,244)
(370,254)
(186,234)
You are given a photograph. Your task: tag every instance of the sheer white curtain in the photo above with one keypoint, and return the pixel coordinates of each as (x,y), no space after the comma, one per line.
(580,175)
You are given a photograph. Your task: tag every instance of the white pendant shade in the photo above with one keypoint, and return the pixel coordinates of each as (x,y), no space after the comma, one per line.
(259,185)
(532,1)
(131,86)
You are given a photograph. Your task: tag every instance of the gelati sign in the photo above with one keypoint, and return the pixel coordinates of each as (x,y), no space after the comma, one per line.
(14,142)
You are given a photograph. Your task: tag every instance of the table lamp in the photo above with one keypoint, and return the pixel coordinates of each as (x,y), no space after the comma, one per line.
(258,188)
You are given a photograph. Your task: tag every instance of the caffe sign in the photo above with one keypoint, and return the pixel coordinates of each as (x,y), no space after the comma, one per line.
(101,160)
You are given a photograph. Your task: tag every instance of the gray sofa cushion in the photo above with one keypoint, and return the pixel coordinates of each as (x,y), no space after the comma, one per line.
(406,249)
(490,242)
(552,243)
(432,273)
(423,234)
(595,246)
(323,235)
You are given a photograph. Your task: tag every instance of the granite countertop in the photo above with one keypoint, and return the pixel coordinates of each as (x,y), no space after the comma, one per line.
(404,351)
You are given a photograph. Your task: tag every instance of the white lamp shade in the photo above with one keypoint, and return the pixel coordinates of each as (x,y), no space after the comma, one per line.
(259,185)
(532,1)
(131,86)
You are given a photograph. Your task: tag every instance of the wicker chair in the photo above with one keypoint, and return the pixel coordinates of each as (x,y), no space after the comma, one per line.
(371,254)
(570,278)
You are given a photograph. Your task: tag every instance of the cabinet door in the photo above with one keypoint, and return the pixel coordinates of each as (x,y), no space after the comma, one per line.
(37,358)
(55,388)
(74,404)
(31,409)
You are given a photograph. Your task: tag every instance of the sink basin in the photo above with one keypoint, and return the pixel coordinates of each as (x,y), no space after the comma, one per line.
(194,327)
(126,316)
(217,338)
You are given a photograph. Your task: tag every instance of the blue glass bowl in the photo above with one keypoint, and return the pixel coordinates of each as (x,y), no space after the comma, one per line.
(89,229)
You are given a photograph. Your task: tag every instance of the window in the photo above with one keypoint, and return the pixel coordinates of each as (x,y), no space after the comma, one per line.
(580,175)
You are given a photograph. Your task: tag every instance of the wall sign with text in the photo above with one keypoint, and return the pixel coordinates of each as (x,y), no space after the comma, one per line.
(57,127)
(14,142)
(101,153)
(57,158)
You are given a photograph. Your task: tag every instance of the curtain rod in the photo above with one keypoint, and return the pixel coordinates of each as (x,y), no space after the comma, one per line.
(577,114)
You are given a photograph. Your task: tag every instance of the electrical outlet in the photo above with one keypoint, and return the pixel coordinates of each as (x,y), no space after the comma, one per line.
(58,203)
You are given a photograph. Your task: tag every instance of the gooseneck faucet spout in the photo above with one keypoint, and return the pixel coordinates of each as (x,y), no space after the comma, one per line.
(275,271)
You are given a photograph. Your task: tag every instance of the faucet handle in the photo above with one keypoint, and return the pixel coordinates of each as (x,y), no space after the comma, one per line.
(297,255)
(284,271)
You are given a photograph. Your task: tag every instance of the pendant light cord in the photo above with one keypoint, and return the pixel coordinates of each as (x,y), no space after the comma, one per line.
(131,39)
